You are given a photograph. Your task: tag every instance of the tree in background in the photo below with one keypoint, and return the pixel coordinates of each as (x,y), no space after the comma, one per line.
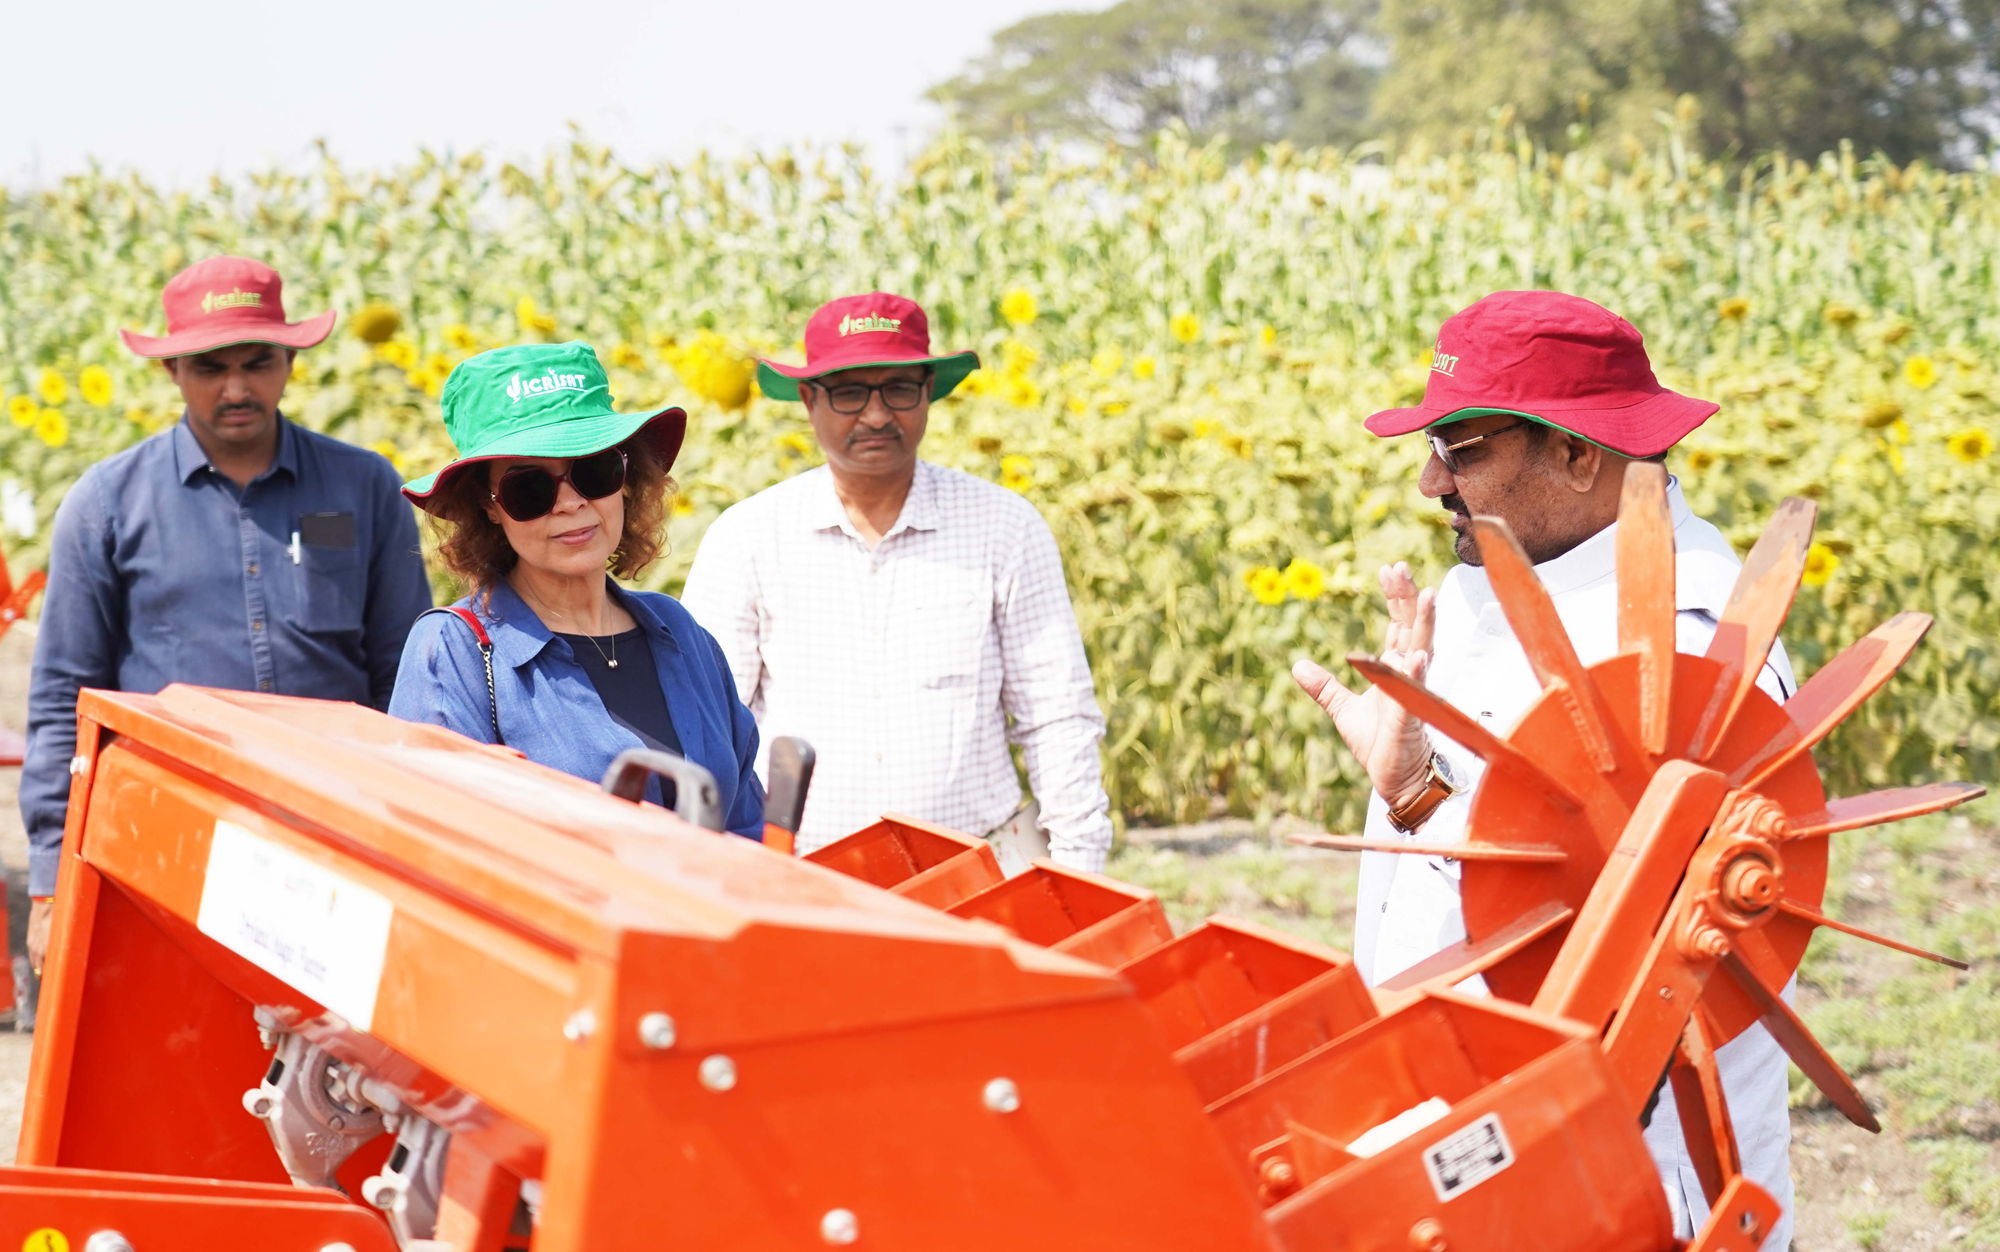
(1910,78)
(1257,71)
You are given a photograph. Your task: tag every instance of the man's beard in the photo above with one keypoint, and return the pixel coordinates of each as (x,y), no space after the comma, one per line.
(1462,543)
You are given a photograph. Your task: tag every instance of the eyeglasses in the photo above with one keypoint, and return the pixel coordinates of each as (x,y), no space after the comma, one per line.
(848,399)
(1447,453)
(529,491)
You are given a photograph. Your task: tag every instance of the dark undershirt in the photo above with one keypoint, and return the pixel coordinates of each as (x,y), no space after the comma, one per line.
(631,693)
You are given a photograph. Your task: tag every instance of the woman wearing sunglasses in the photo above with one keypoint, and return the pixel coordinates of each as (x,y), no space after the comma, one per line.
(553,493)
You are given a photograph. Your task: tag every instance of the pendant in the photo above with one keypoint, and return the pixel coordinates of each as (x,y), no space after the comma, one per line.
(612,663)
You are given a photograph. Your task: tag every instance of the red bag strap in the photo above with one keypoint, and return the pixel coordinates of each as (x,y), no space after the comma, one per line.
(471,619)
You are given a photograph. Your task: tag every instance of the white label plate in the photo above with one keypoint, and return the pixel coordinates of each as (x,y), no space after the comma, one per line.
(1464,1159)
(297,920)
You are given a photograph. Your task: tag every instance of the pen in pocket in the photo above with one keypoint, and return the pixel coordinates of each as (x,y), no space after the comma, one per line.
(294,548)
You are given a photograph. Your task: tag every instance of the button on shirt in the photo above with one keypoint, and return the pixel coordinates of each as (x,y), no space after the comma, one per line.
(550,710)
(163,570)
(1408,906)
(909,667)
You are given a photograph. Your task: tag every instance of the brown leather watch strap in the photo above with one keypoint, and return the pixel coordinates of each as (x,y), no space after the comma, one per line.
(1436,790)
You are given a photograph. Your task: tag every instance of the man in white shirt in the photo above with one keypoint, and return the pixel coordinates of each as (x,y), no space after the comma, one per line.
(1536,403)
(909,621)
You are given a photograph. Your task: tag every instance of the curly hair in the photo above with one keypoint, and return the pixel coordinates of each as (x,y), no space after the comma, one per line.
(475,548)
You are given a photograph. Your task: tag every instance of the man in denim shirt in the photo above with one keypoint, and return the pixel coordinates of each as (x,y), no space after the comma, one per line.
(236,550)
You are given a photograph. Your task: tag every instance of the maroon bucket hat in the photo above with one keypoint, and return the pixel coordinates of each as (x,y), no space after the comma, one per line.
(223,301)
(855,332)
(1557,359)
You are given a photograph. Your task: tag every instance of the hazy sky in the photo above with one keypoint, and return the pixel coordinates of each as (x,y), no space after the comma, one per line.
(180,90)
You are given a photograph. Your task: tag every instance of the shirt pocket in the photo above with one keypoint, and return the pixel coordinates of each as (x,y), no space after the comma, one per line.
(333,589)
(947,628)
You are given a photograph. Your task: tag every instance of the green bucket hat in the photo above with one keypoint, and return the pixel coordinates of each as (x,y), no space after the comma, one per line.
(538,399)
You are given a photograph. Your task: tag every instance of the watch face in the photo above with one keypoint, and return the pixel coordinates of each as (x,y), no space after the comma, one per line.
(1442,764)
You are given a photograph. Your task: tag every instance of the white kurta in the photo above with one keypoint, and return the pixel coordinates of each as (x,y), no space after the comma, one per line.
(1408,906)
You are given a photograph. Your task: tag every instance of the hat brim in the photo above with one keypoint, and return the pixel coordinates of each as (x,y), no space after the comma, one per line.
(306,334)
(1644,428)
(781,382)
(570,437)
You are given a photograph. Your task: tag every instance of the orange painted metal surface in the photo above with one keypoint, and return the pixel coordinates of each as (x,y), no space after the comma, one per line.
(61,1208)
(495,1007)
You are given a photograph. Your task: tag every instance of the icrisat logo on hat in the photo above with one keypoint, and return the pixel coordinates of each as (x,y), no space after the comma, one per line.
(545,382)
(851,325)
(1443,362)
(238,299)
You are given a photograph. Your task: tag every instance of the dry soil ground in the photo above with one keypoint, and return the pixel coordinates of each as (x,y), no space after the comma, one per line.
(1856,1192)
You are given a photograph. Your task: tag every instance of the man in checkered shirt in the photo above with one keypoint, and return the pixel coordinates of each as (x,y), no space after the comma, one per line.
(907,620)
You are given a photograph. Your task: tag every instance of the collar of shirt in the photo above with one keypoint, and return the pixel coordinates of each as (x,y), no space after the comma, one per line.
(519,635)
(189,459)
(824,511)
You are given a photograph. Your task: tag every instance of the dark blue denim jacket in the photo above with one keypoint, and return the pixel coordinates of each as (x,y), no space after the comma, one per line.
(162,570)
(550,711)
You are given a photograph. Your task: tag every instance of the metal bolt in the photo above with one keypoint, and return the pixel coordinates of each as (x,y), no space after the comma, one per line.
(107,1241)
(839,1227)
(337,1247)
(1279,1177)
(1002,1096)
(656,1031)
(383,1192)
(258,1102)
(1666,993)
(1750,885)
(718,1073)
(1428,1236)
(580,1025)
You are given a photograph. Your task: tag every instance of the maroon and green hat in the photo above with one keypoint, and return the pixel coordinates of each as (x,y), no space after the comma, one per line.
(541,400)
(1556,359)
(224,301)
(859,332)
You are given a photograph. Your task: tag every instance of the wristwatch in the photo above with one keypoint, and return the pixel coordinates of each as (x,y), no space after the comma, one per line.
(1438,784)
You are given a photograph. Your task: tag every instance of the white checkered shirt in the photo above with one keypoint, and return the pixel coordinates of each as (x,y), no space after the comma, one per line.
(902,666)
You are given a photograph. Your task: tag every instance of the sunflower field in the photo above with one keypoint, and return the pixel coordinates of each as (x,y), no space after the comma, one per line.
(1178,352)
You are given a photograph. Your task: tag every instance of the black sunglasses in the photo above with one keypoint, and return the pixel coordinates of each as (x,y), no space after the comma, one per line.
(529,491)
(849,399)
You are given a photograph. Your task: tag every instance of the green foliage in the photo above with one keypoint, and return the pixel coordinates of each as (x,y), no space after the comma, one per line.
(1251,878)
(1911,79)
(1908,80)
(1965,1176)
(1183,402)
(1256,71)
(1867,1229)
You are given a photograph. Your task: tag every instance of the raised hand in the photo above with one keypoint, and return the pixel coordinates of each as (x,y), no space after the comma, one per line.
(1389,742)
